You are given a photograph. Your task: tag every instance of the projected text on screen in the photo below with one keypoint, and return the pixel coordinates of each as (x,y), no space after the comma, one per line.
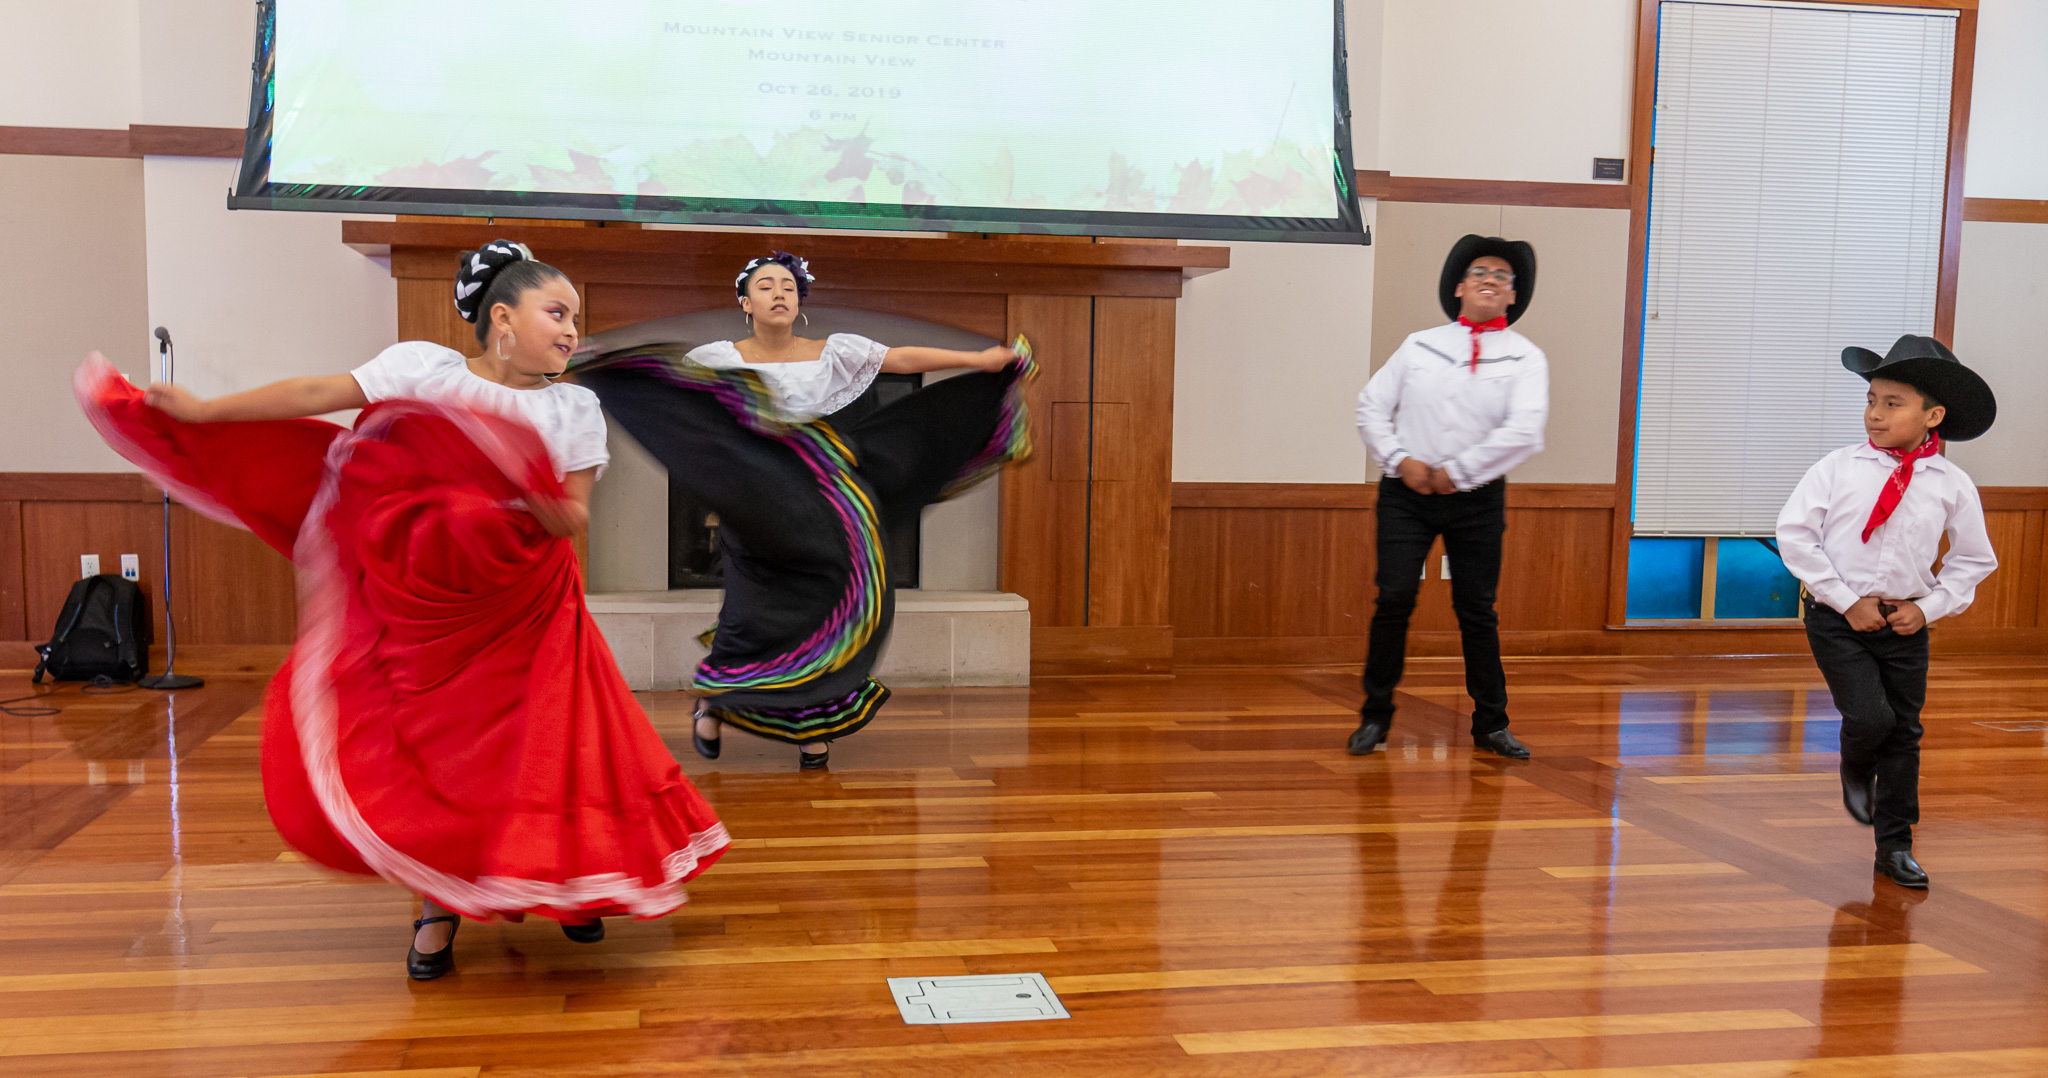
(1194,107)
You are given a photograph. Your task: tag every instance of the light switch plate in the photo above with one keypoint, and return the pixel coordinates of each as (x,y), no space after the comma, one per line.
(1003,997)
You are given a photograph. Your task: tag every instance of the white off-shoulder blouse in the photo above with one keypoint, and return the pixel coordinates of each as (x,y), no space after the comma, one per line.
(812,388)
(567,416)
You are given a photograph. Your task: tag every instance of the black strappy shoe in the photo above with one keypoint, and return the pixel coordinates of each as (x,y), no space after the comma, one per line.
(814,761)
(426,967)
(585,933)
(707,747)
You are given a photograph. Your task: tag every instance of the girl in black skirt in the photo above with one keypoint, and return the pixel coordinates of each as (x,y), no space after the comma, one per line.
(765,433)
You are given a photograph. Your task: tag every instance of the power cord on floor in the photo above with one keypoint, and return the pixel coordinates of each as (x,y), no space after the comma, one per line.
(99,686)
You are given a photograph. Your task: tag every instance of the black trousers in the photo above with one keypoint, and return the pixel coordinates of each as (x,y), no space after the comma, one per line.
(1471,523)
(1879,682)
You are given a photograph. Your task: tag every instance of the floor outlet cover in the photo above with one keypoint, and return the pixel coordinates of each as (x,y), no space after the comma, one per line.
(1006,997)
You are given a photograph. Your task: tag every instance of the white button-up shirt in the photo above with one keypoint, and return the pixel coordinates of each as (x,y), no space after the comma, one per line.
(1820,533)
(1428,403)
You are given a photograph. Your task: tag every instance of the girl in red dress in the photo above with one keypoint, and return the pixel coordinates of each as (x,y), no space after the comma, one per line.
(450,717)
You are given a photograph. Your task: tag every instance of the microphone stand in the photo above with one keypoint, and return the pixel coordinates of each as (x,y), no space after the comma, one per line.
(170,678)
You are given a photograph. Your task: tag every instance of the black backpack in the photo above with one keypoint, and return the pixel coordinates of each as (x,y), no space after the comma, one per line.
(101,632)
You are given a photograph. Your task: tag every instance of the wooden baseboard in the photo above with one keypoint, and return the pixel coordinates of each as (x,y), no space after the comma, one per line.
(1079,651)
(1648,643)
(206,660)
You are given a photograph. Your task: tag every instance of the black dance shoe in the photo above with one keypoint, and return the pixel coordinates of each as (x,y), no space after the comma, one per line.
(1858,795)
(426,967)
(813,761)
(1899,867)
(1367,739)
(1502,743)
(590,933)
(707,747)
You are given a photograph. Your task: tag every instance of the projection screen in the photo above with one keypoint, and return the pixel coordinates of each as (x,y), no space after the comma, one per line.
(1210,119)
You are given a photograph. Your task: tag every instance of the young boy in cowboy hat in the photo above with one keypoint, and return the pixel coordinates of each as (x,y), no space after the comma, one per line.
(1454,408)
(1861,533)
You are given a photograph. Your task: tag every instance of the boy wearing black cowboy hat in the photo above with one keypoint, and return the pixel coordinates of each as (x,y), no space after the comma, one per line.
(1861,533)
(1453,409)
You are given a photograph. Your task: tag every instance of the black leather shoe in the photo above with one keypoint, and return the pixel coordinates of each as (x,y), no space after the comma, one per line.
(813,761)
(1502,743)
(426,967)
(707,747)
(1367,739)
(1858,795)
(1899,867)
(590,933)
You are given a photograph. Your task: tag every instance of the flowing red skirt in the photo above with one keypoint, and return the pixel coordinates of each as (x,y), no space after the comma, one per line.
(450,717)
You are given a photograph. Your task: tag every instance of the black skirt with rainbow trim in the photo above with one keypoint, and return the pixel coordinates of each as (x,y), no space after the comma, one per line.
(802,509)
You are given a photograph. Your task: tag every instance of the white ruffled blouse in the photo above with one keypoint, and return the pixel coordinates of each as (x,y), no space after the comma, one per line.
(812,388)
(567,416)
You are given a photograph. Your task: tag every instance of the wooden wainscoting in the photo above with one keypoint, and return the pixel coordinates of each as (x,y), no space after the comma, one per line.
(235,605)
(1281,574)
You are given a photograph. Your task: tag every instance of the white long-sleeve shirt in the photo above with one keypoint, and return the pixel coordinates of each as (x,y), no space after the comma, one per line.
(1428,403)
(1820,533)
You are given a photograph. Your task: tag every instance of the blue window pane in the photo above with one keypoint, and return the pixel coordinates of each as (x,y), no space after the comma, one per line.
(1750,582)
(1664,577)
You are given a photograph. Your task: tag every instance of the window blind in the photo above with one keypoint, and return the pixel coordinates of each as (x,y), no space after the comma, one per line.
(1795,208)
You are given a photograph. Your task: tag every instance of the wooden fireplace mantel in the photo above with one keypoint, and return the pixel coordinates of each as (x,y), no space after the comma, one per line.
(1084,522)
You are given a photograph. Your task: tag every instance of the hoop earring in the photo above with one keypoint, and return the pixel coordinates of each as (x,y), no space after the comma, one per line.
(502,353)
(749,318)
(805,317)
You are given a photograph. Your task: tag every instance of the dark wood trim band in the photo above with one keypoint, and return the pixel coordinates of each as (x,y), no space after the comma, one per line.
(2013,499)
(77,487)
(1363,495)
(2019,211)
(136,140)
(1962,76)
(1599,196)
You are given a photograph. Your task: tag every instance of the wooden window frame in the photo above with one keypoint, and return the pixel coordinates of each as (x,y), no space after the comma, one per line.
(1641,124)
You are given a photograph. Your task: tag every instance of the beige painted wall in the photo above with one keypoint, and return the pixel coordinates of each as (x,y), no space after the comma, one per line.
(252,296)
(2000,296)
(1268,358)
(1505,89)
(2008,155)
(1575,317)
(70,63)
(74,273)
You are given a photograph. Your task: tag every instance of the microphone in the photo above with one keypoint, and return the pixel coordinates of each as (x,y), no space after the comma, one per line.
(163,337)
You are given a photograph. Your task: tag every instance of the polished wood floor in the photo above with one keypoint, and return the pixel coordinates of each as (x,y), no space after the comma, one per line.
(1669,890)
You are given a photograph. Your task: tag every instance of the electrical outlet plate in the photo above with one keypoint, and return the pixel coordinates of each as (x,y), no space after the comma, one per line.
(1006,997)
(88,565)
(131,567)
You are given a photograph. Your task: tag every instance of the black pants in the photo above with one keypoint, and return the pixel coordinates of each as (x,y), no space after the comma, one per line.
(1471,523)
(1879,681)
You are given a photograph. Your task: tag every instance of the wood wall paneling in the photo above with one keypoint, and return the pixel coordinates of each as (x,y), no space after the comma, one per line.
(1045,499)
(612,305)
(1598,196)
(55,533)
(2010,210)
(1131,511)
(13,591)
(230,587)
(136,140)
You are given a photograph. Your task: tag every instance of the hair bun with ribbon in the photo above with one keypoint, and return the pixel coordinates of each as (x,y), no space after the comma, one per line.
(797,267)
(475,270)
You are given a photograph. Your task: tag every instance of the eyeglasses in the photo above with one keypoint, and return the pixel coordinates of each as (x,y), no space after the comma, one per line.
(1481,273)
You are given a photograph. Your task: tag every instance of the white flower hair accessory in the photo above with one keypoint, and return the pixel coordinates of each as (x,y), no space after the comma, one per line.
(797,267)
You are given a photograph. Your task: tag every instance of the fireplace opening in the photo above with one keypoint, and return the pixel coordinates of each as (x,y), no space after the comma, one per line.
(694,553)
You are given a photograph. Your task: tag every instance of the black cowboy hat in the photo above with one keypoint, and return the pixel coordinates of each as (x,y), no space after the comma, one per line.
(1928,366)
(1519,256)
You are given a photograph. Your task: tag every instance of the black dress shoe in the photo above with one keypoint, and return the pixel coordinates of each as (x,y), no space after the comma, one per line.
(1502,743)
(1899,867)
(1858,795)
(590,933)
(707,747)
(1366,740)
(426,967)
(813,761)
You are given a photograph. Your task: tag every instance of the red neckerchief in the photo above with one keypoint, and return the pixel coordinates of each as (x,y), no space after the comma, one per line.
(1901,478)
(1481,327)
